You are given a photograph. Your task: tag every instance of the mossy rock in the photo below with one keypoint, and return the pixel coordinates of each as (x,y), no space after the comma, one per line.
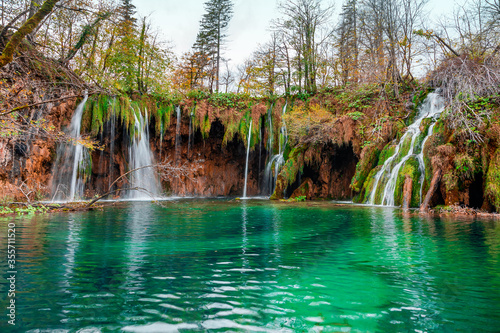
(289,172)
(409,169)
(439,128)
(370,156)
(405,148)
(364,195)
(399,127)
(492,188)
(424,127)
(387,152)
(304,190)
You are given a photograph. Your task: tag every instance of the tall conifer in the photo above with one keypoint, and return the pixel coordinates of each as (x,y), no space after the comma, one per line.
(212,34)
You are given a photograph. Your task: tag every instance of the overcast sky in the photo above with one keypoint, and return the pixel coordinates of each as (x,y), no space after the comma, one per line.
(178,20)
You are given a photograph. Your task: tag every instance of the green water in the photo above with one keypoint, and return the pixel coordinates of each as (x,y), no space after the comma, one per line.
(222,266)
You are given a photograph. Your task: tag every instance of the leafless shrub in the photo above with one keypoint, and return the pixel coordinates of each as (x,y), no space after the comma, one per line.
(463,82)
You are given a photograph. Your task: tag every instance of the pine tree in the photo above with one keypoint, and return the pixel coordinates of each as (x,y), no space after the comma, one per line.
(127,12)
(212,35)
(348,41)
(124,60)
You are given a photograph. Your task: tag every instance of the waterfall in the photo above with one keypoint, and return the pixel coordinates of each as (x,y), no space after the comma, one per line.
(246,164)
(112,126)
(161,139)
(431,108)
(140,157)
(276,160)
(190,131)
(73,162)
(177,134)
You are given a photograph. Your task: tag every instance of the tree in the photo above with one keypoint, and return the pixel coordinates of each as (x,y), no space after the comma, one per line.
(348,41)
(124,60)
(28,27)
(228,77)
(306,27)
(212,35)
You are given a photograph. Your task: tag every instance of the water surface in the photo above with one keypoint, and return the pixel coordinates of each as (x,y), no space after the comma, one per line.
(218,266)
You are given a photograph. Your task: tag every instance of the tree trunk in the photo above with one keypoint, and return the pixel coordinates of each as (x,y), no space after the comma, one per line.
(218,58)
(87,31)
(432,189)
(140,59)
(407,191)
(28,27)
(32,11)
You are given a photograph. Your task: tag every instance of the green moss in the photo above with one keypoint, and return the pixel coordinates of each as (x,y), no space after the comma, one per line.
(399,127)
(289,172)
(405,148)
(466,166)
(439,127)
(232,127)
(424,127)
(163,116)
(492,189)
(365,192)
(244,128)
(205,126)
(369,160)
(387,152)
(410,169)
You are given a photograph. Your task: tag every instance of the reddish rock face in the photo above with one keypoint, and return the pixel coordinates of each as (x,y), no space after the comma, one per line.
(338,165)
(305,189)
(209,167)
(25,166)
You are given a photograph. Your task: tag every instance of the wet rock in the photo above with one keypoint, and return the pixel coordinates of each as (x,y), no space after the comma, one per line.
(305,189)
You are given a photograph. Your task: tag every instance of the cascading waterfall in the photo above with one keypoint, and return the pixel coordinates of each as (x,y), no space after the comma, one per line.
(431,108)
(177,134)
(161,139)
(260,154)
(190,131)
(246,164)
(276,160)
(141,158)
(112,126)
(73,162)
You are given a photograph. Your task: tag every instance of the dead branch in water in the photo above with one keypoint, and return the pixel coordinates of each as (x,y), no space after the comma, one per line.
(165,170)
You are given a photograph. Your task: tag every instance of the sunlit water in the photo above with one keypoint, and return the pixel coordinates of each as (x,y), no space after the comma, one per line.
(219,266)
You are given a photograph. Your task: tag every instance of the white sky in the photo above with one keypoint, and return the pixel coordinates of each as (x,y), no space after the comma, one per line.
(178,20)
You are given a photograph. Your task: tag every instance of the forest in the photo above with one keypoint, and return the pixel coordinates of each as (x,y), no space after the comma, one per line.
(348,79)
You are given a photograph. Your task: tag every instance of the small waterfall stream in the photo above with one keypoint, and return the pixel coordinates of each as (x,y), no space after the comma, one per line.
(246,164)
(191,134)
(277,160)
(431,108)
(141,157)
(177,134)
(73,161)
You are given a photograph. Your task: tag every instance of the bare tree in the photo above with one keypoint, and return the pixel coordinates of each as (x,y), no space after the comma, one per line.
(227,78)
(306,27)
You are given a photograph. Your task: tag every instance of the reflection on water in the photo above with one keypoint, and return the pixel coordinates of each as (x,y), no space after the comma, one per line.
(254,266)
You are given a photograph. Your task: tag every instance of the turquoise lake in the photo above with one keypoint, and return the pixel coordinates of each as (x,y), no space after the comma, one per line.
(252,266)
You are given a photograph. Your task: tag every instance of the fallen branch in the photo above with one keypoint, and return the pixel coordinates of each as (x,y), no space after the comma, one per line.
(115,191)
(6,112)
